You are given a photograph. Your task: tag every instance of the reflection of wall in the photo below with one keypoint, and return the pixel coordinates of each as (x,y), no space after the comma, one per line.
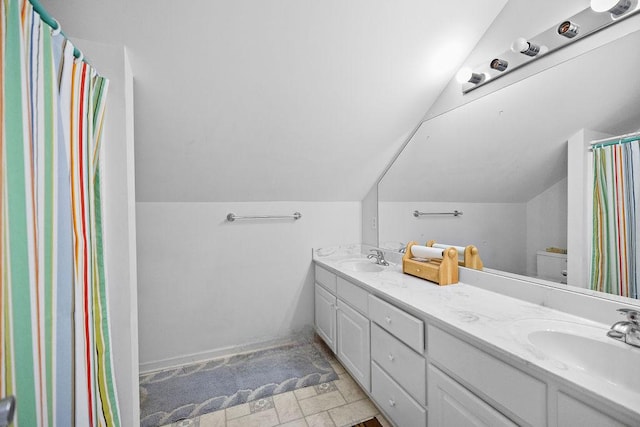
(497,229)
(546,222)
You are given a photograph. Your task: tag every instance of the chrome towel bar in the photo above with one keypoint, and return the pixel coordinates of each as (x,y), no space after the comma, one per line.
(232,217)
(418,213)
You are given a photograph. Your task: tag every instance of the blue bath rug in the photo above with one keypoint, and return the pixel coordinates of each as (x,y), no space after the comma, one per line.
(189,391)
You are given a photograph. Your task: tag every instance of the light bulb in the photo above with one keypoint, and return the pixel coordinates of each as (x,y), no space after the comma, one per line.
(521,45)
(615,7)
(465,75)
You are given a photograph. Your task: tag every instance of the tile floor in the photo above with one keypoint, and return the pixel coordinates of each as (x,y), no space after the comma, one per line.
(340,403)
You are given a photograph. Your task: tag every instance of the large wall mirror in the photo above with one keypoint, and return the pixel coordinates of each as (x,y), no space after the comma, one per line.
(502,161)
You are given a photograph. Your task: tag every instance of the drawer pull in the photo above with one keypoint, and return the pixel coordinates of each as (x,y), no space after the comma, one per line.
(391,357)
(387,319)
(392,403)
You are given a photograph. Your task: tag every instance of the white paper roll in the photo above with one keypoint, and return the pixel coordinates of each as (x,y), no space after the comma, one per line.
(426,252)
(460,249)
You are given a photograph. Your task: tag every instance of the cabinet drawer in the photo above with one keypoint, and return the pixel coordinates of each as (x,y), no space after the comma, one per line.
(517,392)
(394,401)
(326,278)
(354,295)
(404,365)
(404,326)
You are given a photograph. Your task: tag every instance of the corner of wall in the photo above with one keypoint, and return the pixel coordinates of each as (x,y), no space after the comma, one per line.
(133,264)
(370,217)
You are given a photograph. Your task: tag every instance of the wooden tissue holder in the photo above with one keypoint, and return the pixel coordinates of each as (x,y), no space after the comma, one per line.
(471,257)
(441,271)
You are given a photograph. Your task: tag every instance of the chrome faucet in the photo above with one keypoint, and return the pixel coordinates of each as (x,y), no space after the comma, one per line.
(379,257)
(627,331)
(7,409)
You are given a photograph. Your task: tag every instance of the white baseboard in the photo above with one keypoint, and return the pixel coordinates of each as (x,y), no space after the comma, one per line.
(174,362)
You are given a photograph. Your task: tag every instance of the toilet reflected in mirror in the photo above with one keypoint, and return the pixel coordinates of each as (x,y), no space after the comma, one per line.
(551,266)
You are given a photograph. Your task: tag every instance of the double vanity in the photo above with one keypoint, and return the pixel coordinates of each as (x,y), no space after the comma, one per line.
(463,355)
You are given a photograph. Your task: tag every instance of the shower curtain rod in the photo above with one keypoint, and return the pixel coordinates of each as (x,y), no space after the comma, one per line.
(51,21)
(629,137)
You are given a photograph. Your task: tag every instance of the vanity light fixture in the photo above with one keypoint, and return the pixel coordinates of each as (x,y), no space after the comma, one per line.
(465,75)
(523,46)
(615,7)
(499,64)
(568,29)
(600,14)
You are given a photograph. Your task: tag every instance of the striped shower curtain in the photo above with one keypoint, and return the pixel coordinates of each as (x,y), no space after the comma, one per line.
(615,258)
(54,336)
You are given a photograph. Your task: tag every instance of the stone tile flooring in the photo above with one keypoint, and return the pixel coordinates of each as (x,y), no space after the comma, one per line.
(340,403)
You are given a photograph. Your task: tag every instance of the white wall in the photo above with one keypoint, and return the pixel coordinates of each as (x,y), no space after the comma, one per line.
(208,286)
(497,229)
(118,197)
(546,222)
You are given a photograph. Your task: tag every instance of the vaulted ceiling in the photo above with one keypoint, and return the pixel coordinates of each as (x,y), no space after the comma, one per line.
(277,100)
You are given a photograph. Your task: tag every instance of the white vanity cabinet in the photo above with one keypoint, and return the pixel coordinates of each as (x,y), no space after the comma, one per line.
(463,376)
(380,345)
(468,386)
(515,393)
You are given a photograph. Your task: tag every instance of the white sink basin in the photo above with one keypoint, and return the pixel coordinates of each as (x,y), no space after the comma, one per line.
(585,348)
(361,265)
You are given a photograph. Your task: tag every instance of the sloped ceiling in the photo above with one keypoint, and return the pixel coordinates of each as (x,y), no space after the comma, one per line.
(277,100)
(510,145)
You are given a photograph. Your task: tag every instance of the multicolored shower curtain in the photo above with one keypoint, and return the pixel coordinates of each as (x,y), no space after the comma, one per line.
(616,195)
(54,332)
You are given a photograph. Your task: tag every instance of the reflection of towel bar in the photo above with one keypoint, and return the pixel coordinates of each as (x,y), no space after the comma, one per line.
(454,213)
(232,217)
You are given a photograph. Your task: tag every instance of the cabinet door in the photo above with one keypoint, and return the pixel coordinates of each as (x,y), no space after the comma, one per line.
(325,316)
(450,404)
(354,344)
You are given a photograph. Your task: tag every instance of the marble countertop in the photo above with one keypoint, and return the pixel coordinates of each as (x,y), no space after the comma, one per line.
(496,322)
